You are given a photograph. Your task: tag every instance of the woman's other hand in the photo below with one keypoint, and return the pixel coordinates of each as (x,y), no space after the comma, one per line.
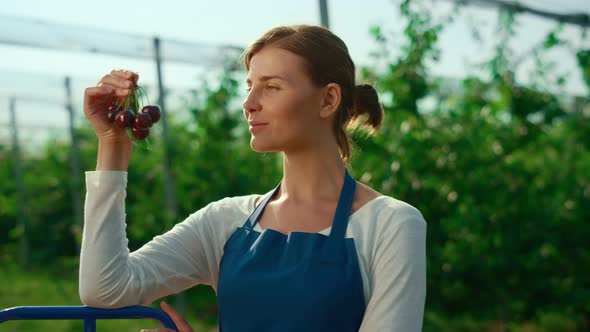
(177,318)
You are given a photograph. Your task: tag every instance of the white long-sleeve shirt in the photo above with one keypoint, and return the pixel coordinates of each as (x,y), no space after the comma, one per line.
(389,235)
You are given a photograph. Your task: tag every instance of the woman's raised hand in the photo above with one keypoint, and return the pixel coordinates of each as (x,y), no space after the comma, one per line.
(97,99)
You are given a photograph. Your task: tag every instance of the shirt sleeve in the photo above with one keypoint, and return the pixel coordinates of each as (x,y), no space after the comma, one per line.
(111,277)
(398,275)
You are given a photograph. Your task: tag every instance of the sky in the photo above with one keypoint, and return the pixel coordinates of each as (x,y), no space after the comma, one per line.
(38,73)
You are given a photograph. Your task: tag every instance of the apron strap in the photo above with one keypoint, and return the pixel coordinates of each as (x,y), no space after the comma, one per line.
(344,207)
(253,219)
(334,250)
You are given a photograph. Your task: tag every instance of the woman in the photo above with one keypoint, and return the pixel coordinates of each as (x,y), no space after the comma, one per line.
(320,252)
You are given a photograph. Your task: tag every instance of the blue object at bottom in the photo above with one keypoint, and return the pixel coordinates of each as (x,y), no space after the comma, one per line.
(88,314)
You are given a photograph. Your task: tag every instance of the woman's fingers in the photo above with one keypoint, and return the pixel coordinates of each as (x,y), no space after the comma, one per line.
(104,90)
(125,74)
(177,318)
(99,90)
(116,81)
(181,323)
(120,83)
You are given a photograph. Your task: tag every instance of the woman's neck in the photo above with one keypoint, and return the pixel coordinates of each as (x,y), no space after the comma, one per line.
(312,175)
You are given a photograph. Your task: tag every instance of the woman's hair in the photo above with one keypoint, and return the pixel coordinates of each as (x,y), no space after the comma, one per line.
(327,61)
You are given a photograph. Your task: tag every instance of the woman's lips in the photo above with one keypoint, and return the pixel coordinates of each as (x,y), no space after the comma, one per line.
(256,126)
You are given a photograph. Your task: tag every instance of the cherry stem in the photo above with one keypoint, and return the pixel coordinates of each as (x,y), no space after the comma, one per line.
(143,94)
(133,100)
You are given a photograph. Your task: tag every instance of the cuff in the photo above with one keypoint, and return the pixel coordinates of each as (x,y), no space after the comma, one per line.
(113,179)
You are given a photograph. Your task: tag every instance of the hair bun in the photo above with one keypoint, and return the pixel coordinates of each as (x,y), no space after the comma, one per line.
(366,110)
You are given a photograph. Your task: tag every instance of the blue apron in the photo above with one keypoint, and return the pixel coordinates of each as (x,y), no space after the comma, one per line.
(269,281)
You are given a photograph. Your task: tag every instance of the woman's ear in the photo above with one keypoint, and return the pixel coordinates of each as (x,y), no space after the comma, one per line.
(331,95)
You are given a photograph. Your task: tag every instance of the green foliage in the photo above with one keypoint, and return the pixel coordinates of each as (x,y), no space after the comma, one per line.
(39,287)
(500,171)
(498,168)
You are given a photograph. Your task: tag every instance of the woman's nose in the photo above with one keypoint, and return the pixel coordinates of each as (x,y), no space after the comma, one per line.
(251,103)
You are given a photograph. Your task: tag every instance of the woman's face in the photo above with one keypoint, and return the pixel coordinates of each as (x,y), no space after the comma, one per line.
(282,107)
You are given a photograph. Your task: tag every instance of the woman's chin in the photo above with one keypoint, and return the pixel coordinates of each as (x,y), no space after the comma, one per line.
(262,147)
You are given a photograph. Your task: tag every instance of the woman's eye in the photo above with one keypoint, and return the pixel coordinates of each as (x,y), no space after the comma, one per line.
(248,89)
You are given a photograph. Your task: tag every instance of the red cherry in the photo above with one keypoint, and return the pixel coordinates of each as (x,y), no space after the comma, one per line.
(125,119)
(111,116)
(112,113)
(140,133)
(143,121)
(153,111)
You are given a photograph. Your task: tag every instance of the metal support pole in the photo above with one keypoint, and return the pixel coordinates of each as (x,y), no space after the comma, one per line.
(169,181)
(90,325)
(169,188)
(74,164)
(324,13)
(20,188)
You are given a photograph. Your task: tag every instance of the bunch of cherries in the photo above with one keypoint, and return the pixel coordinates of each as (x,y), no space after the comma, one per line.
(124,113)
